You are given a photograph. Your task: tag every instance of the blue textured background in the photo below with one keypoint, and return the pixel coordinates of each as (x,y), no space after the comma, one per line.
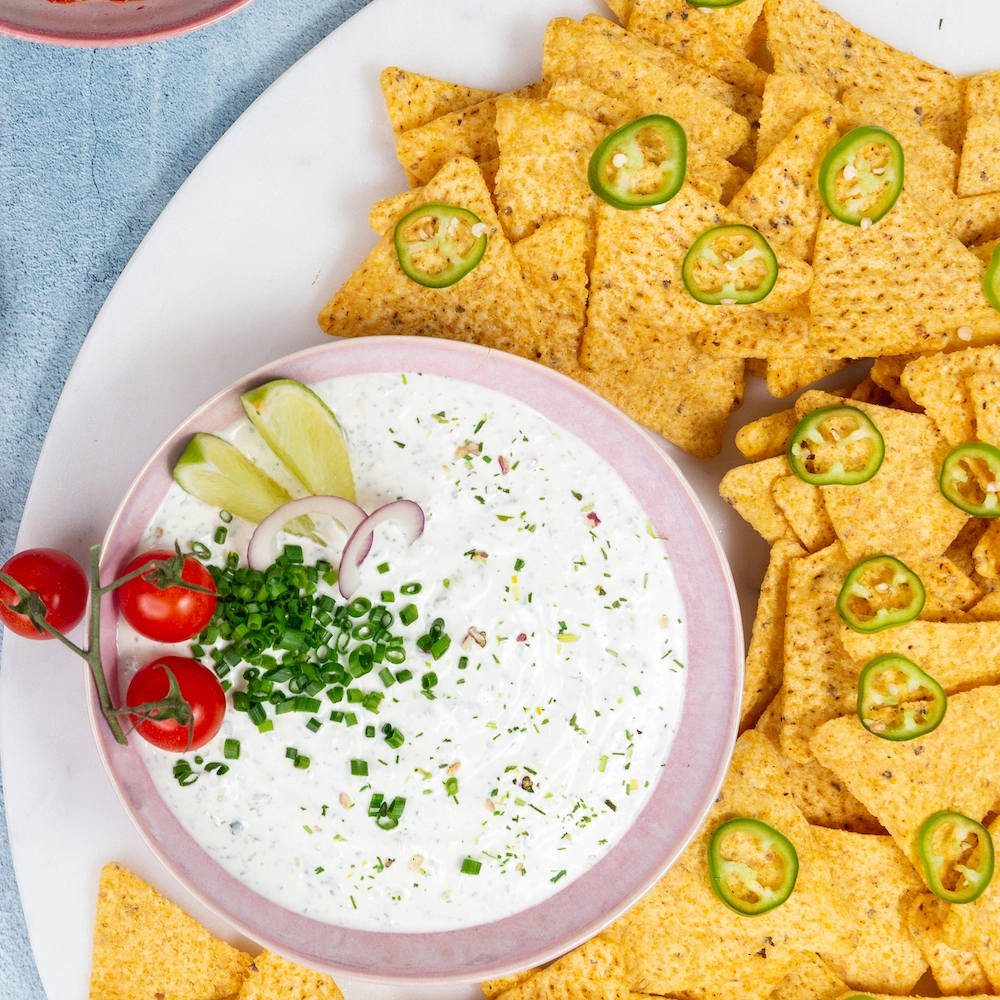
(93,143)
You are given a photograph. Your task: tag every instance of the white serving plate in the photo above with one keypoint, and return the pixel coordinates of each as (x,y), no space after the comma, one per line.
(230,277)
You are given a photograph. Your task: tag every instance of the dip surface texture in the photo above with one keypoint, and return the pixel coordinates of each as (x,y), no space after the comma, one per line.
(555,730)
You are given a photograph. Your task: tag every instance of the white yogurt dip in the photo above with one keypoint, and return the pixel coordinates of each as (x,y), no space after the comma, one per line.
(556,729)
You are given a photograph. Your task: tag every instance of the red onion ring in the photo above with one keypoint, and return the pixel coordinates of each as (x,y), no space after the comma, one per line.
(405,513)
(260,553)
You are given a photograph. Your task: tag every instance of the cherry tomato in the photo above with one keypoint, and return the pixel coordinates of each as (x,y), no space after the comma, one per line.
(58,581)
(200,688)
(170,615)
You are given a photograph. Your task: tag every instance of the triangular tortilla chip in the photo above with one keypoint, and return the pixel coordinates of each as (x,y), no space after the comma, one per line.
(955,972)
(940,384)
(742,333)
(980,171)
(876,883)
(810,978)
(975,926)
(900,509)
(384,214)
(802,504)
(766,655)
(554,265)
(817,792)
(781,198)
(903,285)
(787,375)
(788,98)
(984,395)
(545,151)
(978,218)
(571,49)
(986,554)
(886,372)
(747,488)
(272,977)
(146,945)
(621,9)
(680,936)
(751,984)
(495,987)
(804,37)
(955,769)
(694,39)
(412,99)
(766,437)
(489,306)
(573,93)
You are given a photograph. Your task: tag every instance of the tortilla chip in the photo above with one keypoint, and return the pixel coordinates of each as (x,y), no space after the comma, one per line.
(980,172)
(766,655)
(788,98)
(900,509)
(781,198)
(817,792)
(384,214)
(681,937)
(752,984)
(955,972)
(495,987)
(986,554)
(984,397)
(553,262)
(753,334)
(594,971)
(987,609)
(984,251)
(733,24)
(885,372)
(810,978)
(787,375)
(757,367)
(975,926)
(820,676)
(990,961)
(146,947)
(489,306)
(903,285)
(412,99)
(272,977)
(978,218)
(866,391)
(961,549)
(570,49)
(952,768)
(940,384)
(805,38)
(748,489)
(876,883)
(766,437)
(577,96)
(621,9)
(695,39)
(803,507)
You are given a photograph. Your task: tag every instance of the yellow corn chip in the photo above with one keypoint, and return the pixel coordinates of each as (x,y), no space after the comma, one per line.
(903,285)
(980,173)
(146,946)
(952,768)
(886,371)
(931,166)
(961,549)
(753,334)
(765,657)
(975,926)
(489,306)
(748,489)
(939,383)
(900,509)
(803,507)
(754,984)
(554,265)
(694,39)
(978,218)
(984,251)
(495,987)
(817,792)
(866,391)
(955,972)
(544,154)
(804,37)
(988,609)
(570,49)
(272,977)
(985,400)
(788,375)
(788,98)
(594,971)
(986,554)
(876,883)
(990,961)
(574,94)
(621,9)
(820,676)
(766,437)
(781,198)
(384,214)
(681,937)
(810,978)
(757,367)
(412,99)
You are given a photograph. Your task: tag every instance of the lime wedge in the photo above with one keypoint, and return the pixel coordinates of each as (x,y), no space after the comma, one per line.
(300,429)
(220,474)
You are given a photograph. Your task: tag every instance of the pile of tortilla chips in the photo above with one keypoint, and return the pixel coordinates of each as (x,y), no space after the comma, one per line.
(763,89)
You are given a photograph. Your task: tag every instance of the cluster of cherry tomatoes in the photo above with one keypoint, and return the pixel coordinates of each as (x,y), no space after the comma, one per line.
(168,615)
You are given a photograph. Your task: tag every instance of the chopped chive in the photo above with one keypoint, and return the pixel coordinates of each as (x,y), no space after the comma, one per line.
(314,725)
(231,750)
(470,867)
(350,719)
(395,738)
(409,614)
(636,690)
(385,675)
(388,597)
(359,768)
(440,647)
(224,515)
(370,732)
(200,550)
(293,553)
(197,651)
(518,565)
(291,753)
(402,676)
(257,713)
(302,763)
(220,535)
(375,806)
(266,726)
(451,785)
(330,577)
(336,716)
(383,567)
(411,588)
(428,680)
(557,876)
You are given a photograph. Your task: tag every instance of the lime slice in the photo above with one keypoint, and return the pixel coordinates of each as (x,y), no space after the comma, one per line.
(220,474)
(300,429)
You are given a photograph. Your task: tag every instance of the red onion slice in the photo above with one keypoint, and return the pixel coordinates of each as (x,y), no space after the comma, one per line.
(405,513)
(261,554)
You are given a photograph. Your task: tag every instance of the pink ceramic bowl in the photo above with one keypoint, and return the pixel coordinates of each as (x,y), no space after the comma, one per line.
(697,760)
(91,23)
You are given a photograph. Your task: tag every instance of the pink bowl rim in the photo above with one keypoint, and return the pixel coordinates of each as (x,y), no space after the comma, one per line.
(108,39)
(697,761)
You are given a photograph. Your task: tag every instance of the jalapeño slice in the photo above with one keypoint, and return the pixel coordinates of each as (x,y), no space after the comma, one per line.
(957,855)
(836,446)
(752,867)
(641,164)
(878,593)
(438,245)
(970,478)
(730,265)
(991,279)
(897,700)
(861,177)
